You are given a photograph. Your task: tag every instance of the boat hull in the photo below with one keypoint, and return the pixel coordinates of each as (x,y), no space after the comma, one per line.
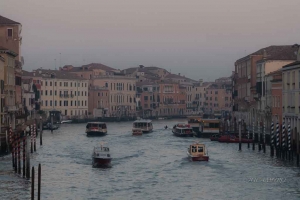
(198,158)
(227,139)
(183,134)
(137,133)
(96,133)
(101,162)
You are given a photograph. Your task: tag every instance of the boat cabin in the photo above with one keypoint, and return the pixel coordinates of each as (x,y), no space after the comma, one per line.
(210,126)
(96,125)
(145,125)
(197,149)
(101,152)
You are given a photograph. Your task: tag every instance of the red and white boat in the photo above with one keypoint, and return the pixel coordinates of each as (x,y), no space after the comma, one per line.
(101,157)
(183,130)
(233,139)
(197,152)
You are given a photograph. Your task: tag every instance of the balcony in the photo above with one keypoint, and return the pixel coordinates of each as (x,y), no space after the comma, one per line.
(66,95)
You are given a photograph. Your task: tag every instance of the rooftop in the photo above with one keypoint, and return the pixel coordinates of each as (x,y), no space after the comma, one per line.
(4,21)
(284,52)
(88,67)
(5,50)
(292,64)
(46,73)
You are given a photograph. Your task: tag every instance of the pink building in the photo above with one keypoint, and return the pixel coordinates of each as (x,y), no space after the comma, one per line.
(218,98)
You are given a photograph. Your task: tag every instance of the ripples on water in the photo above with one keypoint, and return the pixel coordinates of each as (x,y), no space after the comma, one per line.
(152,166)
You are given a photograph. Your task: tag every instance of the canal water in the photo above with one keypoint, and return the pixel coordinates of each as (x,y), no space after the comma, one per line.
(152,166)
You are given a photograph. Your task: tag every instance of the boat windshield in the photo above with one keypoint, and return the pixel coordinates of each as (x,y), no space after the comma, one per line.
(194,120)
(211,125)
(140,124)
(92,125)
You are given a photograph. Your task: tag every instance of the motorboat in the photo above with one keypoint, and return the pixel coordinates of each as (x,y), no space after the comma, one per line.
(215,137)
(142,125)
(183,130)
(233,139)
(66,121)
(197,152)
(96,129)
(101,156)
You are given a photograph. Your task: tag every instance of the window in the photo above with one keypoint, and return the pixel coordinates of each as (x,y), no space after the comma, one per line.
(71,103)
(71,84)
(55,92)
(216,98)
(50,83)
(146,98)
(46,84)
(59,103)
(216,92)
(46,103)
(60,84)
(41,92)
(46,92)
(50,91)
(10,32)
(55,83)
(50,102)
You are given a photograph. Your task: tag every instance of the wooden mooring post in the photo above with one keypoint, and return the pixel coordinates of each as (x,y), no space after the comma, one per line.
(41,132)
(34,137)
(264,138)
(277,141)
(240,135)
(24,154)
(32,183)
(31,138)
(253,137)
(297,144)
(283,141)
(39,181)
(272,140)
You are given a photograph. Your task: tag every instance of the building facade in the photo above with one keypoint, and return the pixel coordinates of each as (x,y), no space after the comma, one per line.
(9,96)
(99,101)
(122,91)
(218,98)
(172,98)
(148,93)
(61,91)
(245,93)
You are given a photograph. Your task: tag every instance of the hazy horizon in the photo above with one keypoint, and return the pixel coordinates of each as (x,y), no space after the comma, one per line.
(199,39)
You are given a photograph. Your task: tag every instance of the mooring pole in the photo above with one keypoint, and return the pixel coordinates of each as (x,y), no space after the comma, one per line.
(32,183)
(253,137)
(24,153)
(272,139)
(259,136)
(16,151)
(31,138)
(39,181)
(248,135)
(283,140)
(297,148)
(27,159)
(277,140)
(240,135)
(289,141)
(19,154)
(34,136)
(41,132)
(264,138)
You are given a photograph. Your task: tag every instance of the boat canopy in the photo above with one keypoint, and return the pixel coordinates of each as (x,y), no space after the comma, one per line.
(197,148)
(96,125)
(143,121)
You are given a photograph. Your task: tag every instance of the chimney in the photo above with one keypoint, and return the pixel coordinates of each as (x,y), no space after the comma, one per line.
(178,74)
(201,81)
(265,54)
(141,66)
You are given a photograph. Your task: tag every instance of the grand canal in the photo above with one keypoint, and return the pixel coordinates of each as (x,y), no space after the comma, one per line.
(152,166)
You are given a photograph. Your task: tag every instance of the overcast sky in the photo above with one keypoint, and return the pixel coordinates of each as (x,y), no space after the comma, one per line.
(197,38)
